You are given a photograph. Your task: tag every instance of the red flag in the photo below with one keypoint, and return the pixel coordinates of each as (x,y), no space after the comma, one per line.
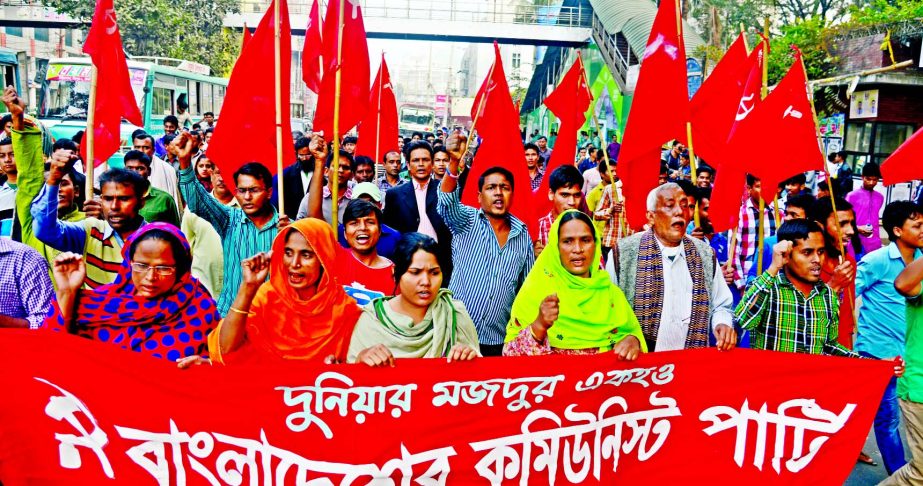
(311,56)
(498,127)
(114,97)
(250,103)
(731,176)
(659,111)
(571,99)
(904,164)
(378,131)
(713,107)
(246,37)
(354,69)
(784,119)
(569,102)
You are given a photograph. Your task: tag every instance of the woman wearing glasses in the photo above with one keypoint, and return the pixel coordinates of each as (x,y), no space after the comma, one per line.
(154,306)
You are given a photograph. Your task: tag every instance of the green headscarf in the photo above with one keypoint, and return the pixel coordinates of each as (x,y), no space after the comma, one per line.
(593,312)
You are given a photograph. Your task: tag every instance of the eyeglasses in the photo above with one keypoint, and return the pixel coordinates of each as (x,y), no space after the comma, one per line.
(243,191)
(159,270)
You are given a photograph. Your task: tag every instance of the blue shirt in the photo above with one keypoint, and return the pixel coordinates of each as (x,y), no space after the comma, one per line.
(883,319)
(59,234)
(240,238)
(486,276)
(387,242)
(25,289)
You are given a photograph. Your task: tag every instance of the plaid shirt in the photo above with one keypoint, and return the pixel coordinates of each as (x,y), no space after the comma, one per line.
(25,289)
(383,185)
(747,232)
(614,221)
(782,318)
(544,227)
(537,180)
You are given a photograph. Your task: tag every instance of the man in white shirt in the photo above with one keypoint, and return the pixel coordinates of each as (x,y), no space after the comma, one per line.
(673,281)
(163,175)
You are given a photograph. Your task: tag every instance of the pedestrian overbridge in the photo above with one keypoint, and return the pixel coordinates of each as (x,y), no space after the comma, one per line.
(505,21)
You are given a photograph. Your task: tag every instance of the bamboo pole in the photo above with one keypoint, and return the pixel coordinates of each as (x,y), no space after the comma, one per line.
(763,92)
(89,164)
(679,31)
(378,108)
(335,165)
(839,234)
(615,194)
(695,213)
(277,68)
(866,72)
(733,243)
(477,115)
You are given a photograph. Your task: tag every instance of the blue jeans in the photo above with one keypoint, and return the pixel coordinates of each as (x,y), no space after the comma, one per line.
(887,427)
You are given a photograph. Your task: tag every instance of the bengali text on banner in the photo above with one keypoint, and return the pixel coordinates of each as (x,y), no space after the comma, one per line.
(81,412)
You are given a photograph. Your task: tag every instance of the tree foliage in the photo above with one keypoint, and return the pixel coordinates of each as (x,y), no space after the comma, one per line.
(810,37)
(183,29)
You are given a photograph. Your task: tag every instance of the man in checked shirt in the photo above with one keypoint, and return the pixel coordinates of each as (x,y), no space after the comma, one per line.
(25,288)
(788,308)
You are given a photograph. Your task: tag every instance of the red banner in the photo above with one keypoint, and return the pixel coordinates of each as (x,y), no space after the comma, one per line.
(80,412)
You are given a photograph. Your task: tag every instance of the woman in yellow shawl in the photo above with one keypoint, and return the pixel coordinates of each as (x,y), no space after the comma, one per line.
(568,305)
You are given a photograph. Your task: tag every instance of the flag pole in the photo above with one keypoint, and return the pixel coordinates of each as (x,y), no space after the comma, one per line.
(90,164)
(335,165)
(733,244)
(277,47)
(679,31)
(378,112)
(763,92)
(839,234)
(615,194)
(477,114)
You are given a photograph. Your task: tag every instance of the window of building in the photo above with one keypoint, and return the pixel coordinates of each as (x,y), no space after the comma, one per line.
(42,34)
(517,60)
(68,37)
(17,31)
(873,141)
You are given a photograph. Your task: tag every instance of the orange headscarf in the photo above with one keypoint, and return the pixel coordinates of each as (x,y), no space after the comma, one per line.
(286,327)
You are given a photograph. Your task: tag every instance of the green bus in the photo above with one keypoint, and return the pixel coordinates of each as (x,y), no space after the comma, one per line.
(158,84)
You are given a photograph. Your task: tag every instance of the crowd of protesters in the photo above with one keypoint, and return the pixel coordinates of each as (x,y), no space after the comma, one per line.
(171,261)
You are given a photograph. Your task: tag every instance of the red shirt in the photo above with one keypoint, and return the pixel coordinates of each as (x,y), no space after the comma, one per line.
(361,282)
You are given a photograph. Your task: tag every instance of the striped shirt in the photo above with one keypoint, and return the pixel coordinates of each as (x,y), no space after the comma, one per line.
(486,276)
(95,239)
(240,238)
(781,318)
(747,233)
(614,223)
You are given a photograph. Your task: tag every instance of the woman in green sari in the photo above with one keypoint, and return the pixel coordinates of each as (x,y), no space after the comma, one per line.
(568,304)
(421,321)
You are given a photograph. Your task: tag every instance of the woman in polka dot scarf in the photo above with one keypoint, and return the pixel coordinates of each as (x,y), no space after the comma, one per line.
(154,306)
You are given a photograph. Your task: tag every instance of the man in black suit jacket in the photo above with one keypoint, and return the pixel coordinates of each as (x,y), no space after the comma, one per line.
(296,178)
(403,213)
